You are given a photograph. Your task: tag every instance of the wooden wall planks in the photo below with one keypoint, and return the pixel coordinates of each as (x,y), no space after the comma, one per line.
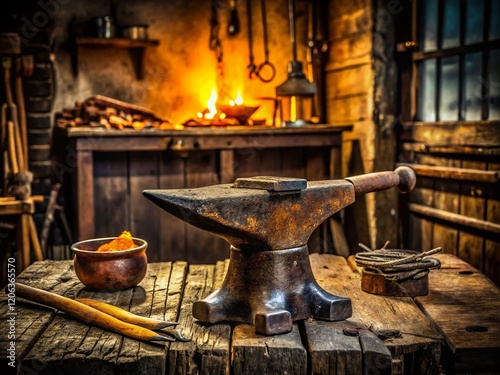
(172,232)
(111,196)
(492,248)
(468,194)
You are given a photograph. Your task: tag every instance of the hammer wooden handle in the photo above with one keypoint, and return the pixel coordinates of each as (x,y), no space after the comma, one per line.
(403,177)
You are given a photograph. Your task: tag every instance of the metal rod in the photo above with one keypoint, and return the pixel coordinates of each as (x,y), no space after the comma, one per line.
(291,19)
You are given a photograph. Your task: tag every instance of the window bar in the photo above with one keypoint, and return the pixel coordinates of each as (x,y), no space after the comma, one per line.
(485,92)
(415,76)
(438,60)
(461,58)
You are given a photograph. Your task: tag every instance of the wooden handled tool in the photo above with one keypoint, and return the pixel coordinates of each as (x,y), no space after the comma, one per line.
(125,315)
(88,314)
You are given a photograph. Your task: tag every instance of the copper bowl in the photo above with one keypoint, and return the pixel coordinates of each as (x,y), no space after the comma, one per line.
(110,270)
(240,112)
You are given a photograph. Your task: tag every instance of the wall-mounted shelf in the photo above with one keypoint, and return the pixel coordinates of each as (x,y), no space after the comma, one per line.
(136,48)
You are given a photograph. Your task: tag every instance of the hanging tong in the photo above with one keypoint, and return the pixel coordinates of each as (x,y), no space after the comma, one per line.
(104,315)
(266,65)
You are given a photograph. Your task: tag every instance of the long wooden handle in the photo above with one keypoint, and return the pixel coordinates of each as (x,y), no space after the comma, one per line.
(14,166)
(126,316)
(403,177)
(34,239)
(22,117)
(87,314)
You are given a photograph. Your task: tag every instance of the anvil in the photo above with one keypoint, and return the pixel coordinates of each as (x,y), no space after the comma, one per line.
(268,221)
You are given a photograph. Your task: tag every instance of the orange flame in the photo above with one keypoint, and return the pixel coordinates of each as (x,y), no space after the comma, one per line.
(212,109)
(237,101)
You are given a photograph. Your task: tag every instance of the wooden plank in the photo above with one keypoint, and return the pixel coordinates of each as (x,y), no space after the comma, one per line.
(456,173)
(380,313)
(68,345)
(226,174)
(111,194)
(349,109)
(84,195)
(16,207)
(491,247)
(122,142)
(51,346)
(470,247)
(464,222)
(247,162)
(464,305)
(208,351)
(271,162)
(284,354)
(377,359)
(330,350)
(461,150)
(227,135)
(144,214)
(293,164)
(172,230)
(446,198)
(469,133)
(31,320)
(117,43)
(420,233)
(193,142)
(317,163)
(349,81)
(82,348)
(149,300)
(202,246)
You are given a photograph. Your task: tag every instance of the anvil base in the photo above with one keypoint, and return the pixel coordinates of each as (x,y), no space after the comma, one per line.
(270,289)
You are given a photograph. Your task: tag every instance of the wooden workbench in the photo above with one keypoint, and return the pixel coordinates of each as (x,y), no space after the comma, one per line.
(105,171)
(384,335)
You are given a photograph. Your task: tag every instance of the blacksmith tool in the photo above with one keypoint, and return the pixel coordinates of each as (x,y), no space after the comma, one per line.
(268,221)
(104,315)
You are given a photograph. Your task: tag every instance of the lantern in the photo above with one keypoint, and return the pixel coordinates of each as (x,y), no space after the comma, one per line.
(295,95)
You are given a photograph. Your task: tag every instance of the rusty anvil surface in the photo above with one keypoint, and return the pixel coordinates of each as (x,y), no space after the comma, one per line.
(267,221)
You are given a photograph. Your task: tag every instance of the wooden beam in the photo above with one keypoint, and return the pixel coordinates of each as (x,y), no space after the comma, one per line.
(454,173)
(456,219)
(453,133)
(461,150)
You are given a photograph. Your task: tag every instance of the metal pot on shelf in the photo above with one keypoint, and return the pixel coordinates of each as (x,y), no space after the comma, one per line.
(136,32)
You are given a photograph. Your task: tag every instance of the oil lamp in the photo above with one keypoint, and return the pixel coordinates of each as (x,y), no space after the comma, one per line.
(295,95)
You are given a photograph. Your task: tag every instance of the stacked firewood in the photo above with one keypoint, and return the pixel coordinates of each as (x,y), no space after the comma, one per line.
(101,111)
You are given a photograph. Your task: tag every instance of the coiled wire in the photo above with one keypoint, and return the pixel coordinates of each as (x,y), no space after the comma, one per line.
(397,265)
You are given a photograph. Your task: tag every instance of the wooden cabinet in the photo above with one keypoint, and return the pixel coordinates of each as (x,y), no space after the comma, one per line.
(105,172)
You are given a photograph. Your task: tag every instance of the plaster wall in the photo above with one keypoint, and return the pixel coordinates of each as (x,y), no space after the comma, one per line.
(181,71)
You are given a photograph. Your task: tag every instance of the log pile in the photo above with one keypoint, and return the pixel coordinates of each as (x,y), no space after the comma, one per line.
(101,111)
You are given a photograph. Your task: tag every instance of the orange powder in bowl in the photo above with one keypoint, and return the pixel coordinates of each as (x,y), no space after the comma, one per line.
(123,242)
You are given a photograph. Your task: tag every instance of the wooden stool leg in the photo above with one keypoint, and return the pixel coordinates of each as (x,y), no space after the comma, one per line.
(25,242)
(34,240)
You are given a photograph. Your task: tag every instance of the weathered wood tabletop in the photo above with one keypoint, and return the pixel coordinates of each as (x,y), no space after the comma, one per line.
(384,335)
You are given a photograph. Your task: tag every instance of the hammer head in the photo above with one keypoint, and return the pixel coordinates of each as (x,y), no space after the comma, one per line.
(261,213)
